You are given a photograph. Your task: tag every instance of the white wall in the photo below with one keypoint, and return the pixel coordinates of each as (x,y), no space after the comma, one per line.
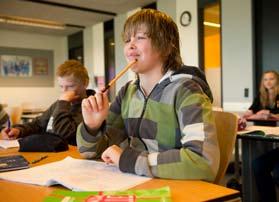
(88,53)
(94,53)
(120,60)
(189,47)
(188,35)
(38,96)
(213,76)
(237,54)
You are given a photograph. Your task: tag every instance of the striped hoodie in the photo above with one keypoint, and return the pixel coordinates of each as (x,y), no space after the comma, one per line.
(169,134)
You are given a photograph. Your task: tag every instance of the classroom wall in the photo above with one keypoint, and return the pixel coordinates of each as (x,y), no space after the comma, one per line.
(188,35)
(38,96)
(94,53)
(120,60)
(237,54)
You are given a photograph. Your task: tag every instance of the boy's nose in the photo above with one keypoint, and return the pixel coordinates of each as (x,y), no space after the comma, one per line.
(132,44)
(64,89)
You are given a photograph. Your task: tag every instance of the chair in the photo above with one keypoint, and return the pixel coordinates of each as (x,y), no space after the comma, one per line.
(15,113)
(226,128)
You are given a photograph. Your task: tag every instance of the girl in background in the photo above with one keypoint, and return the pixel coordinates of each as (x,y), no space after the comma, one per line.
(266,104)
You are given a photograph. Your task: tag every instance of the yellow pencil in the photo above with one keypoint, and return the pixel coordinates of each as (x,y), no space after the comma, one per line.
(119,75)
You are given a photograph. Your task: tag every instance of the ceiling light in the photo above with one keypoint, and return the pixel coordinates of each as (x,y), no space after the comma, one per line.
(211,24)
(31,22)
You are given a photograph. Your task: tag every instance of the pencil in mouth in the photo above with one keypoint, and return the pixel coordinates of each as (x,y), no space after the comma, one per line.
(112,82)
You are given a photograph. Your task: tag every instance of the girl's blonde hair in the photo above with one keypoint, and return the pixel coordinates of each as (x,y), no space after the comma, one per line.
(264,96)
(162,31)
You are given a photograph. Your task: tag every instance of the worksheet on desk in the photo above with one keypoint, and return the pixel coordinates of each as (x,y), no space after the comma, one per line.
(9,144)
(266,129)
(78,175)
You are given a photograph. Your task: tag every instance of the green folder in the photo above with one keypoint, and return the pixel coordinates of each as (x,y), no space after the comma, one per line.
(148,195)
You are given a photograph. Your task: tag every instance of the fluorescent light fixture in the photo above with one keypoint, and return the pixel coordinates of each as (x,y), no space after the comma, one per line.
(31,22)
(211,24)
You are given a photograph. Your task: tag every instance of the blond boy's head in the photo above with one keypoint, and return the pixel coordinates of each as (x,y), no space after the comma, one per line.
(74,69)
(162,31)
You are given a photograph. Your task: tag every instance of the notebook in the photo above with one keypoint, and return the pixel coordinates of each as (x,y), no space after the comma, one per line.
(5,144)
(260,131)
(14,162)
(77,175)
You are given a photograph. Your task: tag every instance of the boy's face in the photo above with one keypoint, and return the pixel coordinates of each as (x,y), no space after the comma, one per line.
(69,83)
(139,46)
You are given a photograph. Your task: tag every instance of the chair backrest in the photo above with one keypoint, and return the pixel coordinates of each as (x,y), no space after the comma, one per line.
(15,113)
(226,128)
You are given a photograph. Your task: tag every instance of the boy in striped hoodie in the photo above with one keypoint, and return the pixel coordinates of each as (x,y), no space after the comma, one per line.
(161,124)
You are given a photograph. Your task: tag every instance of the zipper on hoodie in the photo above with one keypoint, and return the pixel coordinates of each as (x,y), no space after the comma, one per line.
(142,113)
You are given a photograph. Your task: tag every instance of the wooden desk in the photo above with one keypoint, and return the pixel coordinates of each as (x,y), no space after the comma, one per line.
(28,114)
(25,118)
(32,110)
(264,122)
(181,190)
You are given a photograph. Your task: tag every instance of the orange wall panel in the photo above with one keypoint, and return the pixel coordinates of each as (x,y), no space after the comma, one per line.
(212,51)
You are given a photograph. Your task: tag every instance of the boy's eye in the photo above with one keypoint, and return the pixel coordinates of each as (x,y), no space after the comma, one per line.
(141,37)
(127,40)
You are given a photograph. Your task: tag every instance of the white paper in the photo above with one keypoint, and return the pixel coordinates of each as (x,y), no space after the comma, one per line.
(267,130)
(78,175)
(9,144)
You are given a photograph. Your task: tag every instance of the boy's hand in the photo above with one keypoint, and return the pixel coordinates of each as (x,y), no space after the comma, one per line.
(112,155)
(95,110)
(10,133)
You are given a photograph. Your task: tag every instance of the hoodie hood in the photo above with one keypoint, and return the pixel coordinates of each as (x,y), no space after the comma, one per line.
(189,72)
(195,74)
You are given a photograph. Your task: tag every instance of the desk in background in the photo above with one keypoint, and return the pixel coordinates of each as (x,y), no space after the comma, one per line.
(252,146)
(264,122)
(181,190)
(29,114)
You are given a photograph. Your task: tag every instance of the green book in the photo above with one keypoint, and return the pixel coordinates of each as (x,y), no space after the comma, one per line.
(148,195)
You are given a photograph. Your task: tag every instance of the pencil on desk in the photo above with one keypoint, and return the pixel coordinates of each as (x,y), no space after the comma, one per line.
(39,159)
(119,75)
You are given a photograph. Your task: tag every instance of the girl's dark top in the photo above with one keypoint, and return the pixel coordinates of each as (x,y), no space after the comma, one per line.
(257,106)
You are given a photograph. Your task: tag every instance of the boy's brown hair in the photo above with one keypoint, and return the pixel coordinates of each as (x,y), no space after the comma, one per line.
(162,31)
(73,68)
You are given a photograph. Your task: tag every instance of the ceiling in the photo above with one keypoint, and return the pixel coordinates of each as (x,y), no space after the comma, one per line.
(76,14)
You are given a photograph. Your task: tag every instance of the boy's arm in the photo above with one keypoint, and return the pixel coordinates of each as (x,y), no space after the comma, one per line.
(65,121)
(92,143)
(38,125)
